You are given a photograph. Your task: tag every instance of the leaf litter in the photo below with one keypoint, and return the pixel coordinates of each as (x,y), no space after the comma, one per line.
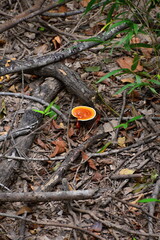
(87,172)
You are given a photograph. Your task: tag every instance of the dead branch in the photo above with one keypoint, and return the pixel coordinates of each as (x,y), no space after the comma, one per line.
(36,62)
(29,13)
(69,78)
(69,160)
(34,197)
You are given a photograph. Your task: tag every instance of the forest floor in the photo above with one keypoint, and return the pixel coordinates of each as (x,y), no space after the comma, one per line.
(122,166)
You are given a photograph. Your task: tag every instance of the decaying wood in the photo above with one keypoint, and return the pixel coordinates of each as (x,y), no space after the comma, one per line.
(8,168)
(69,160)
(70,79)
(52,57)
(34,197)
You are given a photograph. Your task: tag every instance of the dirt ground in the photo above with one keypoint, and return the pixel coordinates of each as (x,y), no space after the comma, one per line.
(123,165)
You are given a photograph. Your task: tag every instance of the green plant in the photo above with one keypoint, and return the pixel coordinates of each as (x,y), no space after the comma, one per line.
(141,20)
(142,79)
(125,125)
(47,111)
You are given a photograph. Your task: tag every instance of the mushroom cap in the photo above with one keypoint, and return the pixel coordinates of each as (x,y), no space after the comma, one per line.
(83,113)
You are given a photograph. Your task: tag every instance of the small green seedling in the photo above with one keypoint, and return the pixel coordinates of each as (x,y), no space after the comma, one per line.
(125,125)
(48,112)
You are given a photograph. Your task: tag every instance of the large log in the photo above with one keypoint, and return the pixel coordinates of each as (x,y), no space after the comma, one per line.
(9,168)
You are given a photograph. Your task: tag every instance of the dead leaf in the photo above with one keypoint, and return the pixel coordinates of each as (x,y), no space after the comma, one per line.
(56,42)
(127,80)
(13,89)
(23,209)
(55,125)
(41,144)
(147,52)
(70,132)
(126,171)
(40,49)
(84,3)
(109,126)
(97,177)
(121,141)
(91,164)
(62,9)
(60,147)
(127,62)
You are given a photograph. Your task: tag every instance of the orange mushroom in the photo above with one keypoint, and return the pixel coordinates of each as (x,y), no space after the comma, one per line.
(83,113)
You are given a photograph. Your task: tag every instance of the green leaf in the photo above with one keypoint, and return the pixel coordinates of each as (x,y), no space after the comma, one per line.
(89,6)
(41,29)
(53,114)
(110,74)
(124,88)
(145,45)
(36,110)
(135,118)
(135,62)
(104,147)
(93,69)
(153,90)
(149,200)
(155,81)
(124,125)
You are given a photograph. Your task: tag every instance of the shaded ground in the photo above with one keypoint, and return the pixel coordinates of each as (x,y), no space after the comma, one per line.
(124,171)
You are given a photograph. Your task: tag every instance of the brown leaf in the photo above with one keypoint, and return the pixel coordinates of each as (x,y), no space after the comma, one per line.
(23,209)
(91,164)
(70,132)
(41,144)
(40,49)
(62,9)
(147,52)
(128,80)
(56,42)
(60,147)
(97,177)
(55,125)
(84,3)
(127,62)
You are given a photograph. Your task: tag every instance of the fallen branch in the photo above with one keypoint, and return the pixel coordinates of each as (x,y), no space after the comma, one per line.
(36,62)
(47,196)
